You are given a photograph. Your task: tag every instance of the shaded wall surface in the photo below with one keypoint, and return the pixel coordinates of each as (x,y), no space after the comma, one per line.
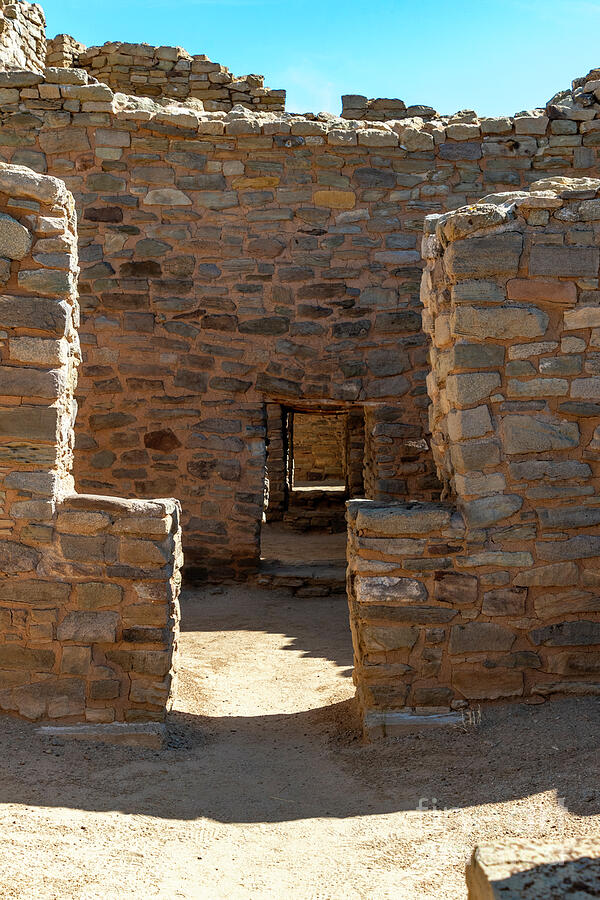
(493,594)
(88,585)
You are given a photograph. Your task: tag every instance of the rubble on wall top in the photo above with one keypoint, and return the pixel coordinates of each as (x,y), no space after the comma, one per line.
(494,211)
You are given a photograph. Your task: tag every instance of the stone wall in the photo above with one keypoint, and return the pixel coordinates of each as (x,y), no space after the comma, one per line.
(22,36)
(319,448)
(493,594)
(220,271)
(171,72)
(232,260)
(88,585)
(63,52)
(381,109)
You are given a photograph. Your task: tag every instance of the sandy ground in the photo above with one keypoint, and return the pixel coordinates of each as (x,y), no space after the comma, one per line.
(265,789)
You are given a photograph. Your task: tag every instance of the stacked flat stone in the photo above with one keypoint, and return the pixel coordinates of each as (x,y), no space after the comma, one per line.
(88,585)
(493,594)
(63,51)
(171,72)
(22,35)
(381,109)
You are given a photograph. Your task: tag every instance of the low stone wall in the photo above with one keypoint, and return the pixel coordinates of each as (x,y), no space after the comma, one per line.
(493,595)
(172,72)
(318,510)
(535,871)
(22,35)
(88,585)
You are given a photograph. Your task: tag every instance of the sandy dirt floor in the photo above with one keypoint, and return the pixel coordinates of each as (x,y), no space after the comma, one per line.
(265,789)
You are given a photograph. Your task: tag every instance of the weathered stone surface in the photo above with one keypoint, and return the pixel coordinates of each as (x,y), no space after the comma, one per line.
(480,637)
(528,434)
(390,589)
(412,518)
(469,423)
(15,239)
(534,870)
(97,627)
(504,323)
(492,684)
(389,637)
(557,574)
(466,390)
(504,602)
(567,634)
(489,255)
(455,588)
(487,510)
(580,262)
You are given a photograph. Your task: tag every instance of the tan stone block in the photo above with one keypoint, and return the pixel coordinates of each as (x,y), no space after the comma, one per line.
(477,683)
(469,423)
(142,553)
(537,290)
(335,199)
(256,184)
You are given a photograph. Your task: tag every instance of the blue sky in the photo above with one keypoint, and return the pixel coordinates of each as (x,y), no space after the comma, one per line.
(494,56)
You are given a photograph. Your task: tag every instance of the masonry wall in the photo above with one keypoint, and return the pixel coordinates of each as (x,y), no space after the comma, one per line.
(319,449)
(172,72)
(88,585)
(22,35)
(235,260)
(492,595)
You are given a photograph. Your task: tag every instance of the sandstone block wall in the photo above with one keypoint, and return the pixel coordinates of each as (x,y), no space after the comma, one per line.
(22,35)
(88,585)
(319,449)
(170,72)
(492,595)
(236,260)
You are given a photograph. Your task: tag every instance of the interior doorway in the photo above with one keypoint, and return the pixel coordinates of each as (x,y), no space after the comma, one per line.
(315,459)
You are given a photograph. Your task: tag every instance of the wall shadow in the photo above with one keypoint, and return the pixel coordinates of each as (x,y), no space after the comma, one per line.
(275,768)
(577,878)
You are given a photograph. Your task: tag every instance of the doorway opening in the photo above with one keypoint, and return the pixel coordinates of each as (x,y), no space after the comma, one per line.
(315,459)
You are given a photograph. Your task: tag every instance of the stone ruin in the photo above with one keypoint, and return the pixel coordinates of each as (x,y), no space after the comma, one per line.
(89,586)
(242,268)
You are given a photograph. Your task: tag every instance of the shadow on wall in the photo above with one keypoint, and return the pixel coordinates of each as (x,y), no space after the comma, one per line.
(576,878)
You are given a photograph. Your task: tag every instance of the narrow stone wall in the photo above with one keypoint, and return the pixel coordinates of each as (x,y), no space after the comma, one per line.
(88,585)
(172,72)
(493,595)
(22,36)
(319,449)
